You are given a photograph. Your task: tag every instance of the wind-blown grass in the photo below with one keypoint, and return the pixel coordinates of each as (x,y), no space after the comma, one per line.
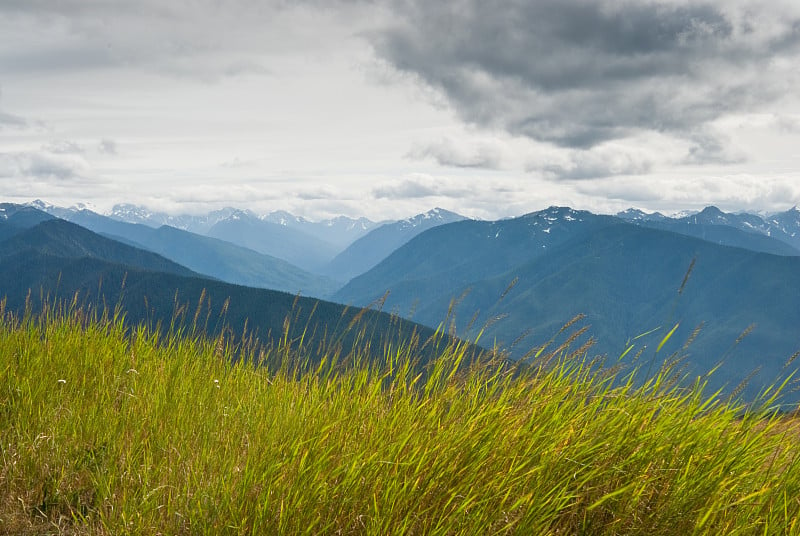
(108,430)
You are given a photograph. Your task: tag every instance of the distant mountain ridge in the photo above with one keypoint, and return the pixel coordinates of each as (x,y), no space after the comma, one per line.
(339,231)
(296,240)
(380,242)
(199,224)
(205,255)
(312,246)
(709,223)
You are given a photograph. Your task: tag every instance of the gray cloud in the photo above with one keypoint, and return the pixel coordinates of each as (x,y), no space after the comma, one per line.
(788,124)
(447,153)
(316,194)
(695,192)
(11,120)
(596,163)
(418,187)
(40,165)
(107,146)
(577,73)
(47,165)
(203,39)
(63,147)
(709,148)
(405,189)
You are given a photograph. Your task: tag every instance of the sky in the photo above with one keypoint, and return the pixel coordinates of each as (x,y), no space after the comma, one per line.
(387,108)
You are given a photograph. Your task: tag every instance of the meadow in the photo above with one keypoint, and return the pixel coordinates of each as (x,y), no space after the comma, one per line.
(111,429)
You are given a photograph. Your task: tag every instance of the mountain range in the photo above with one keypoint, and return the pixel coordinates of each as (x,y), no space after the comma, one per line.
(339,231)
(518,280)
(778,233)
(296,255)
(515,281)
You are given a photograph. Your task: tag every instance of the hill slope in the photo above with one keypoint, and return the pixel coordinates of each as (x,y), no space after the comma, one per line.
(16,218)
(61,239)
(59,260)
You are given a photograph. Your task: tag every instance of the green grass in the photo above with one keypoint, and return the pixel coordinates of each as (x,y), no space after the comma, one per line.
(104,430)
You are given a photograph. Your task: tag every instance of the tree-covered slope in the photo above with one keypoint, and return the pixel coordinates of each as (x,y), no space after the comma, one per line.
(57,238)
(30,278)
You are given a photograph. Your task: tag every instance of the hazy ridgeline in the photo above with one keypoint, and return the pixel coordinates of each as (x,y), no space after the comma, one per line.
(107,428)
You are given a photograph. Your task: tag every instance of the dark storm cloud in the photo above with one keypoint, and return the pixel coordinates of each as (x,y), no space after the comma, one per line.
(580,72)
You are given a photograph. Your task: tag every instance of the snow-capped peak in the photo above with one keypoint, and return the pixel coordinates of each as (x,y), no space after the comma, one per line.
(41,205)
(682,214)
(77,207)
(127,211)
(635,214)
(437,215)
(281,217)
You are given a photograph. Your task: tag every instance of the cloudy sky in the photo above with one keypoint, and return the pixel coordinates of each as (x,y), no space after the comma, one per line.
(386,108)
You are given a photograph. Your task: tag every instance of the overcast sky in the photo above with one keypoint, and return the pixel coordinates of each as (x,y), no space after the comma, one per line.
(388,108)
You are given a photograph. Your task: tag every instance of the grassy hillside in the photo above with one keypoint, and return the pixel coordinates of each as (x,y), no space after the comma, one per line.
(107,431)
